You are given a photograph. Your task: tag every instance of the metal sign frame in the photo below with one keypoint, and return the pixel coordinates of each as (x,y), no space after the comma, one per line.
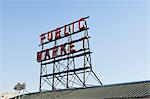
(65,73)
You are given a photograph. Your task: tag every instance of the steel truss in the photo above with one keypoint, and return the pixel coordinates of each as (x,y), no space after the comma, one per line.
(68,71)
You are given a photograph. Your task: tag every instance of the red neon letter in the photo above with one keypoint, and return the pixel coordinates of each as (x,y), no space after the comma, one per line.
(47,54)
(65,31)
(83,27)
(57,33)
(62,49)
(39,56)
(72,27)
(54,51)
(71,47)
(42,38)
(50,36)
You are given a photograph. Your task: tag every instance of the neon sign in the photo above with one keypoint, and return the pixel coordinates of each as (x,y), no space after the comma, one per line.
(65,57)
(60,33)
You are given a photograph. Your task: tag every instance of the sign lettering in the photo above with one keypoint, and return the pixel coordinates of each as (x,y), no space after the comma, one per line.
(60,33)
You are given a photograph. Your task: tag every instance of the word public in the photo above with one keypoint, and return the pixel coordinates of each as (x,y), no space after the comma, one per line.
(58,33)
(63,31)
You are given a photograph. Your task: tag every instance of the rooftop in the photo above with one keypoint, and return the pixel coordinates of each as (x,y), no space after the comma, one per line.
(139,89)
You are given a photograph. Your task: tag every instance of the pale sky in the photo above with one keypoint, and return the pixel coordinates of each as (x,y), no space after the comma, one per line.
(119,31)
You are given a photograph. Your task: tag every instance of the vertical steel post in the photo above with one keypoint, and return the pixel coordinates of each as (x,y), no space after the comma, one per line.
(41,70)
